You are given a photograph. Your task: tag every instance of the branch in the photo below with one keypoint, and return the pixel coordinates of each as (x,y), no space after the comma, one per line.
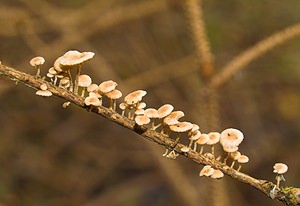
(259,49)
(287,195)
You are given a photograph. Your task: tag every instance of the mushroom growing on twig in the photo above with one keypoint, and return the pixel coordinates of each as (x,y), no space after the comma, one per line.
(214,138)
(242,160)
(279,170)
(180,128)
(43,91)
(37,62)
(83,82)
(113,96)
(207,171)
(203,139)
(75,58)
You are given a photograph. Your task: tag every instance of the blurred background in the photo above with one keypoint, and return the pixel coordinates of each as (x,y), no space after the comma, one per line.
(55,156)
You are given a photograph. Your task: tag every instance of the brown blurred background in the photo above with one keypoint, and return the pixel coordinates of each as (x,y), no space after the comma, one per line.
(52,156)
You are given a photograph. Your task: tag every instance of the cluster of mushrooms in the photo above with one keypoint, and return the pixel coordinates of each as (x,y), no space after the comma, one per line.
(134,108)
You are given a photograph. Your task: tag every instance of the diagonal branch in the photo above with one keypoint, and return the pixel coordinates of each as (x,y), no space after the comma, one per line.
(288,195)
(259,49)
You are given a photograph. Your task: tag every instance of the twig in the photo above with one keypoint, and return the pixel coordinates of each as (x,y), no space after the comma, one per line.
(288,195)
(197,24)
(240,61)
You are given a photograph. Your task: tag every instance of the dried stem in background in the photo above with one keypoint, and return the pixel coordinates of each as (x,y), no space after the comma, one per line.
(246,57)
(288,195)
(197,27)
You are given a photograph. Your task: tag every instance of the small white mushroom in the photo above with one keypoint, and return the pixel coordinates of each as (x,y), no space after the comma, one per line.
(180,128)
(152,114)
(217,174)
(83,82)
(113,96)
(37,62)
(92,101)
(214,138)
(75,58)
(279,170)
(242,160)
(235,156)
(107,86)
(203,139)
(141,120)
(206,171)
(43,91)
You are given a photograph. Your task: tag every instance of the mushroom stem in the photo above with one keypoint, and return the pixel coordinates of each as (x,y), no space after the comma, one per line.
(71,81)
(195,146)
(77,79)
(166,152)
(55,80)
(213,151)
(201,149)
(240,166)
(191,143)
(177,139)
(83,92)
(232,164)
(38,72)
(114,105)
(226,158)
(279,177)
(110,104)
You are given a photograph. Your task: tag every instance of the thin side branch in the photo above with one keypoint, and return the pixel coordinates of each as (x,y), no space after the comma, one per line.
(259,49)
(288,195)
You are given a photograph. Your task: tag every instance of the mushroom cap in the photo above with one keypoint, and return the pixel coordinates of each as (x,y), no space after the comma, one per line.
(185,149)
(231,137)
(114,94)
(165,110)
(173,117)
(107,86)
(52,71)
(84,80)
(141,120)
(43,86)
(92,88)
(95,94)
(151,113)
(57,66)
(280,168)
(181,127)
(243,159)
(74,57)
(217,174)
(206,171)
(49,75)
(65,81)
(134,97)
(230,149)
(214,138)
(37,61)
(203,139)
(123,106)
(195,127)
(235,155)
(139,112)
(92,100)
(44,93)
(141,105)
(195,135)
